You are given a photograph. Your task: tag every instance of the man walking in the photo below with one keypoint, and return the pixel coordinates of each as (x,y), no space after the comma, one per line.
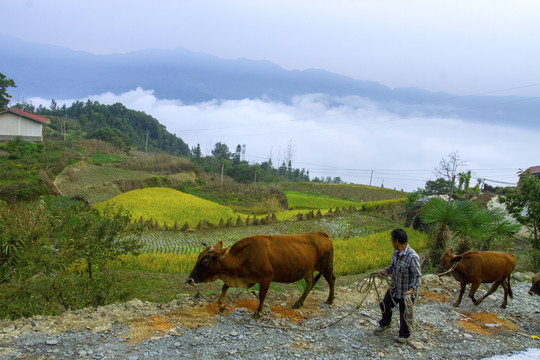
(406,278)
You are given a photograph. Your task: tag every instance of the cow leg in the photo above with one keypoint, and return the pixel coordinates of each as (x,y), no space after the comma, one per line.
(331,279)
(309,286)
(474,287)
(461,292)
(325,266)
(221,301)
(263,290)
(492,290)
(506,286)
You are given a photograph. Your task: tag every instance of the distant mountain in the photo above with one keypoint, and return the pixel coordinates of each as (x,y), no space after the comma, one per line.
(60,73)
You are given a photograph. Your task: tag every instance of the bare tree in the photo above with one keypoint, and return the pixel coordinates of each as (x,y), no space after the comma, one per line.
(289,152)
(448,168)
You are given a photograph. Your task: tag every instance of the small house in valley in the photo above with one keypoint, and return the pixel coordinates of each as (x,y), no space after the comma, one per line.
(17,123)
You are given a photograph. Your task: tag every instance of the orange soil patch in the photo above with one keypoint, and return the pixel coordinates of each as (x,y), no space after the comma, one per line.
(141,329)
(289,313)
(486,324)
(157,325)
(434,296)
(252,306)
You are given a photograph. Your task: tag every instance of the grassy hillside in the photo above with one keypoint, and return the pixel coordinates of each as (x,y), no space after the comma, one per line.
(99,183)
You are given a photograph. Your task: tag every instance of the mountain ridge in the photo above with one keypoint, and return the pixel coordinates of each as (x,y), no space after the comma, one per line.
(50,71)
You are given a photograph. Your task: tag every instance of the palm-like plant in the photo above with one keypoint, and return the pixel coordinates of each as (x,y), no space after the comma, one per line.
(444,214)
(498,229)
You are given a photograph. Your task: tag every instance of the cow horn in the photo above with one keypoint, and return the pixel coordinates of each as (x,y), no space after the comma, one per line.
(204,244)
(211,249)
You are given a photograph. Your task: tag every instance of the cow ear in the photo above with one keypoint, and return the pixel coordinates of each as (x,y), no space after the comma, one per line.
(218,245)
(457,258)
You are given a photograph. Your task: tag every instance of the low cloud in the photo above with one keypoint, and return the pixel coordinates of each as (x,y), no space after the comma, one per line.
(350,137)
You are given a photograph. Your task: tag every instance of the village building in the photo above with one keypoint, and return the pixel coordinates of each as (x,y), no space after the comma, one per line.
(535,170)
(15,123)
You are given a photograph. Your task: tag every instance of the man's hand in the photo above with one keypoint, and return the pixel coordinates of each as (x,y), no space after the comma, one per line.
(410,292)
(382,272)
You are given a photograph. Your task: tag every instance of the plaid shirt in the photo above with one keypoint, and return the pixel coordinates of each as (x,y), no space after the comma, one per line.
(406,273)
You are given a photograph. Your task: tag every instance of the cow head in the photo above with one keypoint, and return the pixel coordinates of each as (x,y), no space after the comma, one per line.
(448,259)
(208,264)
(535,288)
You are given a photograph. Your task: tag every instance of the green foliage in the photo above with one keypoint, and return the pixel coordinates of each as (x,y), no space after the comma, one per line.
(437,187)
(298,200)
(443,214)
(523,204)
(20,178)
(87,236)
(24,248)
(472,225)
(349,192)
(5,83)
(113,136)
(129,127)
(106,159)
(54,255)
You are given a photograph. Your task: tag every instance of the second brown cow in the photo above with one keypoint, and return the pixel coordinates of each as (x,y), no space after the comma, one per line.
(477,267)
(265,258)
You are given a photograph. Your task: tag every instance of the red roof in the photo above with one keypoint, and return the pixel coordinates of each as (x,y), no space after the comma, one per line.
(534,169)
(27,115)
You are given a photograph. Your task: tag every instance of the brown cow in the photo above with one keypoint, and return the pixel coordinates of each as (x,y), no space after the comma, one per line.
(477,267)
(535,288)
(265,258)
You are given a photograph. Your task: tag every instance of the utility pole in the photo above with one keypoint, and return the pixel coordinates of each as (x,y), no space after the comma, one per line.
(371,178)
(221,184)
(255,178)
(146,144)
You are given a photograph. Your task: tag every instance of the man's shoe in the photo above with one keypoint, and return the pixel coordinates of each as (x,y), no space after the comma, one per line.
(402,340)
(379,329)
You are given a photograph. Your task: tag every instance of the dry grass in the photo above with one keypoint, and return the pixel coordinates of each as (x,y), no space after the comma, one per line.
(159,163)
(95,146)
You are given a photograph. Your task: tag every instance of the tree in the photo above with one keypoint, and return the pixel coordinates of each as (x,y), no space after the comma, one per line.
(436,187)
(196,152)
(96,239)
(221,151)
(237,155)
(447,169)
(5,83)
(523,204)
(464,180)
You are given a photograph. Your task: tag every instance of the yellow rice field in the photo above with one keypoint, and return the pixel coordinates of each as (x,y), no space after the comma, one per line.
(164,204)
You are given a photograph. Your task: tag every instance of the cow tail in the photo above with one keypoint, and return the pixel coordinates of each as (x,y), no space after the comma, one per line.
(510,293)
(316,278)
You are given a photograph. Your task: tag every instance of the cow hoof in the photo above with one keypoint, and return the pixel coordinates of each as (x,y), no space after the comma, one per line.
(222,309)
(455,305)
(329,302)
(257,315)
(297,306)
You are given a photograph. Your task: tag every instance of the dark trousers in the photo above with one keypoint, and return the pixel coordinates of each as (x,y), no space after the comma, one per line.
(386,307)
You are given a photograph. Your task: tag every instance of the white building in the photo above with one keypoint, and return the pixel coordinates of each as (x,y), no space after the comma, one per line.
(17,123)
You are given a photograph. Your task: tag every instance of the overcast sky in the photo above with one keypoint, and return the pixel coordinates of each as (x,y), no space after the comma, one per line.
(457,46)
